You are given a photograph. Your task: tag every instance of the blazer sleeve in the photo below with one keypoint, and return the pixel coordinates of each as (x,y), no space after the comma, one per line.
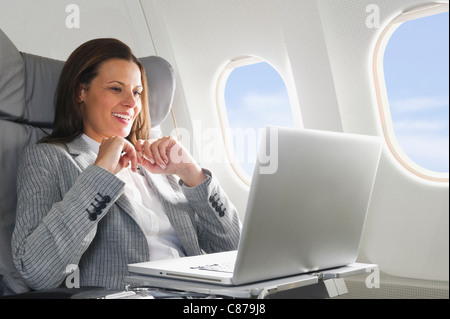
(53,228)
(217,220)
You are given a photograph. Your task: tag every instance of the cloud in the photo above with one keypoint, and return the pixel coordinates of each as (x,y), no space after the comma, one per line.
(259,110)
(266,102)
(418,104)
(431,152)
(435,126)
(251,112)
(422,130)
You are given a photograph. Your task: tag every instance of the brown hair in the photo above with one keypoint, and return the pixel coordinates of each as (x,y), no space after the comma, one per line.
(81,68)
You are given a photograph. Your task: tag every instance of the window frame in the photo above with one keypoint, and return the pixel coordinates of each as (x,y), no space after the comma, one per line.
(223,114)
(381,91)
(222,111)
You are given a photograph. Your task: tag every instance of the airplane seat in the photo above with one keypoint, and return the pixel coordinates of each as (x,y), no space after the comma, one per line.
(27,88)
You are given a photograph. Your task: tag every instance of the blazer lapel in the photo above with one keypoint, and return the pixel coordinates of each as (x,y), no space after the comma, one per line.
(84,156)
(81,153)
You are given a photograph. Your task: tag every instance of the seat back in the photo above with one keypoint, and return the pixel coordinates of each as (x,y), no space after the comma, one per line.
(27,89)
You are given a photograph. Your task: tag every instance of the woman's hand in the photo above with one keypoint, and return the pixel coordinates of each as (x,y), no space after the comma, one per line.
(116,153)
(166,156)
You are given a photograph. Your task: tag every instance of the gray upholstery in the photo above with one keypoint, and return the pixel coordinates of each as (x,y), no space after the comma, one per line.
(27,88)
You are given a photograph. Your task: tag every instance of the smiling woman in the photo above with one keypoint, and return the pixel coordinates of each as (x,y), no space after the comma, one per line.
(98,195)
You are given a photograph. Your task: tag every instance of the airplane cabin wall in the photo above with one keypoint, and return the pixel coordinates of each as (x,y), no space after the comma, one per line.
(39,27)
(321,48)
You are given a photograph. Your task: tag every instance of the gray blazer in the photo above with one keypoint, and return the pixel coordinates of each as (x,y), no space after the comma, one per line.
(71,212)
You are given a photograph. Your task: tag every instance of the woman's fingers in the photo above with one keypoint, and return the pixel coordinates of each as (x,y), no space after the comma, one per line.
(148,154)
(159,150)
(130,155)
(156,151)
(116,153)
(144,151)
(164,156)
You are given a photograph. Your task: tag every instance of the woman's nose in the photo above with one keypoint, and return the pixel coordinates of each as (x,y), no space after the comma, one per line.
(130,100)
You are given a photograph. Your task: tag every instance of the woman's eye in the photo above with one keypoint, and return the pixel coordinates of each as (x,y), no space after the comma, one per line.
(116,89)
(138,93)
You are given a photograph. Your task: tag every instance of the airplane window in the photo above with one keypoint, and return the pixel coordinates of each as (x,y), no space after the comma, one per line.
(253,95)
(416,77)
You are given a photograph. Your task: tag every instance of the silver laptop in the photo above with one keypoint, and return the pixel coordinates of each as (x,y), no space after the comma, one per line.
(306,210)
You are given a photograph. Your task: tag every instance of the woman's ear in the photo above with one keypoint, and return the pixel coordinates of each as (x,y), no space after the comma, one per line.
(81,93)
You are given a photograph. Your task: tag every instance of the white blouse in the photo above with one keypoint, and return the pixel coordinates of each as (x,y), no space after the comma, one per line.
(163,242)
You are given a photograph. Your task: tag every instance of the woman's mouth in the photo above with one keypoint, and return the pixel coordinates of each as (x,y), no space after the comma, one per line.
(123,116)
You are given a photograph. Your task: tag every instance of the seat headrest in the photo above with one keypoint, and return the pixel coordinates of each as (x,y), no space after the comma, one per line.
(28,84)
(12,79)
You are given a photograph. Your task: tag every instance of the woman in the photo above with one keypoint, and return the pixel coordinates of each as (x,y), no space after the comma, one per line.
(96,194)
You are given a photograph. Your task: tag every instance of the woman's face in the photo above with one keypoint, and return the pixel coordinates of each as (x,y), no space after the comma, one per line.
(112,101)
